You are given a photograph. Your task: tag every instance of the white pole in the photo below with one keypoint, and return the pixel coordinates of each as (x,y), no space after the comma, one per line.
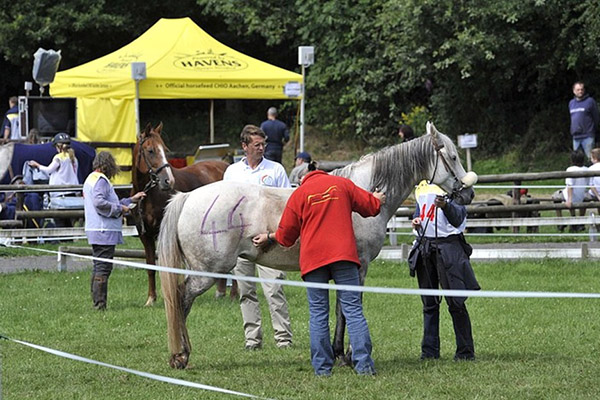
(137,107)
(469,159)
(302,109)
(212,121)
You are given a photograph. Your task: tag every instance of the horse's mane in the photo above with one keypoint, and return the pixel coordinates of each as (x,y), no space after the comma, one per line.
(397,163)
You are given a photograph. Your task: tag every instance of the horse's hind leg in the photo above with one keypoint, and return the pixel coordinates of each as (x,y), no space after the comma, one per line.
(194,287)
(191,288)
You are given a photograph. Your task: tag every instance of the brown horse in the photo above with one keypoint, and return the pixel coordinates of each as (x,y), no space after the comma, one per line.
(154,175)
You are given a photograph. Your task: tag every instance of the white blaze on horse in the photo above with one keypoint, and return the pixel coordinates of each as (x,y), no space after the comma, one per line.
(211,226)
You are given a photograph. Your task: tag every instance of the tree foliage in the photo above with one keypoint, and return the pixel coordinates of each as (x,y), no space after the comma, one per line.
(501,69)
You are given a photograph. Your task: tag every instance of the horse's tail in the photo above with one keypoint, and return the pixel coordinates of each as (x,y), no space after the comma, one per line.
(170,255)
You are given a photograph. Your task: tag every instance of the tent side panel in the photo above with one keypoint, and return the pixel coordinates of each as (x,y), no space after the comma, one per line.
(108,120)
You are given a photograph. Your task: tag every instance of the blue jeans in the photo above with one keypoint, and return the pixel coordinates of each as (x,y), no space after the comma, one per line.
(321,350)
(586,145)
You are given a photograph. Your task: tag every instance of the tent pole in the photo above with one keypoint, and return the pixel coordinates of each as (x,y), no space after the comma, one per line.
(212,121)
(137,107)
(302,110)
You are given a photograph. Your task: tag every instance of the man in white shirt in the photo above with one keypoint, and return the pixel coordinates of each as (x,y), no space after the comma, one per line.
(256,169)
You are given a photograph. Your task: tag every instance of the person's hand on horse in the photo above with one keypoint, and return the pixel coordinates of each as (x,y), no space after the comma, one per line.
(379,195)
(138,196)
(34,164)
(124,209)
(263,241)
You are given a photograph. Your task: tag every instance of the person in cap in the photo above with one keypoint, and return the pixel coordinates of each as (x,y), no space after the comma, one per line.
(62,171)
(301,168)
(440,258)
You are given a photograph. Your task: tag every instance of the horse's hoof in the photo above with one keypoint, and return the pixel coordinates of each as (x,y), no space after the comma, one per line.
(150,302)
(219,295)
(178,361)
(344,361)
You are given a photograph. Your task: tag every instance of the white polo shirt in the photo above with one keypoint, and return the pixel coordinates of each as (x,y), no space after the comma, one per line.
(267,173)
(579,183)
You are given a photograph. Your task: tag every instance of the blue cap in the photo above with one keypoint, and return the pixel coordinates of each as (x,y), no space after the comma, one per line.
(305,156)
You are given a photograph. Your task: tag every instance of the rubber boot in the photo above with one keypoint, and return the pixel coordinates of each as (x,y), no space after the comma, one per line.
(465,350)
(430,346)
(99,292)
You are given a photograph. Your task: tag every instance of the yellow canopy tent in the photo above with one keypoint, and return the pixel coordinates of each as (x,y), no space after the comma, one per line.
(182,62)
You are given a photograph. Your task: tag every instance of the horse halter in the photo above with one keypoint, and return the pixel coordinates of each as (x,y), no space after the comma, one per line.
(458,184)
(153,174)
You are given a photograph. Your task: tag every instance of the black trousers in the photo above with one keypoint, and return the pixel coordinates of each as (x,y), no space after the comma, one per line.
(433,272)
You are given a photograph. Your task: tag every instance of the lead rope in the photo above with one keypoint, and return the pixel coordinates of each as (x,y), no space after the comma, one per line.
(437,255)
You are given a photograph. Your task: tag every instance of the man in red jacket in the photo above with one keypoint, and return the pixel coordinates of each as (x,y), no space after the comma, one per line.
(320,207)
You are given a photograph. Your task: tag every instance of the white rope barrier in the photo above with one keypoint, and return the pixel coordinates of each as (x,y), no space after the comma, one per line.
(364,289)
(148,375)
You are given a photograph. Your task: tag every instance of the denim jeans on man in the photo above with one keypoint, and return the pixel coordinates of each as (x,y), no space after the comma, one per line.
(586,144)
(321,350)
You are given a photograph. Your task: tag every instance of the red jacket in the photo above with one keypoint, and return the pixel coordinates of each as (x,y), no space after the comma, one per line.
(320,212)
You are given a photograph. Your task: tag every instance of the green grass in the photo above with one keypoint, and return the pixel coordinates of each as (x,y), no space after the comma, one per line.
(526,348)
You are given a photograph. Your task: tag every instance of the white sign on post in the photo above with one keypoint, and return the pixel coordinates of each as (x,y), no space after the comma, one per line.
(138,71)
(292,89)
(467,141)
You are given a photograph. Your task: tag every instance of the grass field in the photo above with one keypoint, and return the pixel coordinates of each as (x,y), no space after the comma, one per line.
(526,348)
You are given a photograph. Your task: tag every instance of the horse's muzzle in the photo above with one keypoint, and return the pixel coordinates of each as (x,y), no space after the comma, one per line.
(165,184)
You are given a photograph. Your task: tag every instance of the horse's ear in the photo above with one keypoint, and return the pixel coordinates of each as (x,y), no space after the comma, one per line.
(430,129)
(146,130)
(158,129)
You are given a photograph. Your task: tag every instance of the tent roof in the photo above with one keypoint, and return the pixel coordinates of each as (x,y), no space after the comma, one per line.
(182,62)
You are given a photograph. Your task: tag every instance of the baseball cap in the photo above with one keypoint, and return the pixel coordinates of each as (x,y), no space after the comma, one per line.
(305,156)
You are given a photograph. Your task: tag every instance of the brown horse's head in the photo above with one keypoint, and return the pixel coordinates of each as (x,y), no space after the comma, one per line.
(151,159)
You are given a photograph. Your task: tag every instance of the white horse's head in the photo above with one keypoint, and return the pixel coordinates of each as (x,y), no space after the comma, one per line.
(448,172)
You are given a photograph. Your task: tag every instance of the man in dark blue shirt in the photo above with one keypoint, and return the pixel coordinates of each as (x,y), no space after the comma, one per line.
(584,119)
(277,133)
